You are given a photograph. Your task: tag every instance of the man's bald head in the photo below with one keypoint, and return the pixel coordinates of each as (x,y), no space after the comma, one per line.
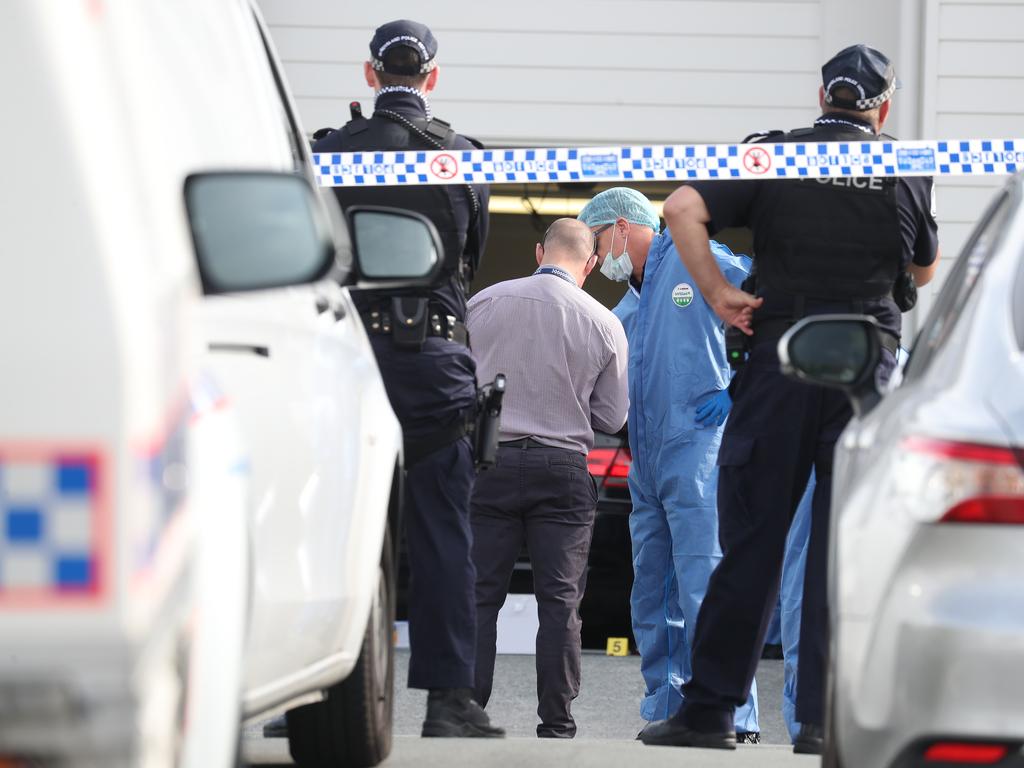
(569,237)
(569,244)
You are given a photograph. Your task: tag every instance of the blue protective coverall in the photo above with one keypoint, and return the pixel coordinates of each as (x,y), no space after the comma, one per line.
(791,599)
(676,362)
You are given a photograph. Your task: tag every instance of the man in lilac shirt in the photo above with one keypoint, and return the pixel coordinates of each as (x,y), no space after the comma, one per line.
(565,358)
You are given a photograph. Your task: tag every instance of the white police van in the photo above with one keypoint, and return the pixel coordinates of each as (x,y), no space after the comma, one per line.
(153,157)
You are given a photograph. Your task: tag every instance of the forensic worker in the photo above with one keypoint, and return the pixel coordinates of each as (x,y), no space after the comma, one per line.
(821,245)
(678,380)
(420,342)
(565,358)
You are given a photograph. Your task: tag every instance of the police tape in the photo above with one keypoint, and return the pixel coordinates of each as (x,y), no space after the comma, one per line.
(975,157)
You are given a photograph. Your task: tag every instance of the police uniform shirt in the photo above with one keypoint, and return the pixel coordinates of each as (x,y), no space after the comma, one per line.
(431,387)
(743,203)
(409,104)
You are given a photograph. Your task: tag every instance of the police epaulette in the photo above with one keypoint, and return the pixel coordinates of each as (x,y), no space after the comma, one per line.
(356,125)
(475,142)
(802,131)
(439,129)
(321,133)
(760,136)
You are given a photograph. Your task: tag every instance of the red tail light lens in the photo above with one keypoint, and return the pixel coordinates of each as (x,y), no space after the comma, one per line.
(965,754)
(987,509)
(599,461)
(953,482)
(610,465)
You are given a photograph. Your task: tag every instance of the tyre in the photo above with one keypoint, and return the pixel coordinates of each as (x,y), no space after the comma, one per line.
(352,726)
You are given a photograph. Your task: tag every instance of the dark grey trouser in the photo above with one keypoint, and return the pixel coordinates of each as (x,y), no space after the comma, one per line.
(546,497)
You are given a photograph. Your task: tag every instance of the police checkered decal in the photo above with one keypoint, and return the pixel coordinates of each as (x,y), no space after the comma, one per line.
(673,163)
(48,525)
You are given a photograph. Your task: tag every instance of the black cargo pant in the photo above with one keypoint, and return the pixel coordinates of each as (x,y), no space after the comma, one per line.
(546,498)
(777,430)
(429,389)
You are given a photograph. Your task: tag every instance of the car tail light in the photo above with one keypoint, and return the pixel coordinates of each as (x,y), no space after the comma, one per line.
(610,465)
(965,753)
(955,482)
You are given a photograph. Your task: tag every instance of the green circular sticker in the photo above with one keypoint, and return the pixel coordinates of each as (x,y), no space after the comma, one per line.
(682,295)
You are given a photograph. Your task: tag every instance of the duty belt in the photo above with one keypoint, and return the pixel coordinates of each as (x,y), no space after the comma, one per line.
(379,321)
(774,329)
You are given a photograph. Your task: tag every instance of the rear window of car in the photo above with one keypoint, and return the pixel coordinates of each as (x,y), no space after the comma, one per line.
(960,282)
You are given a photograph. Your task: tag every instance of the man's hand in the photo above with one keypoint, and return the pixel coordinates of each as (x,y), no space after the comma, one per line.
(687,217)
(735,307)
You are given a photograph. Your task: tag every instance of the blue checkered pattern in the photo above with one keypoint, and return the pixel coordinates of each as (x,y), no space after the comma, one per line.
(977,157)
(47,525)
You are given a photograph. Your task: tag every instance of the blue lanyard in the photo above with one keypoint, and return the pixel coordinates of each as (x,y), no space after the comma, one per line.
(551,269)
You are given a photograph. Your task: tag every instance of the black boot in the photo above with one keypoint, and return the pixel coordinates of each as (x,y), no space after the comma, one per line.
(675,733)
(452,712)
(810,740)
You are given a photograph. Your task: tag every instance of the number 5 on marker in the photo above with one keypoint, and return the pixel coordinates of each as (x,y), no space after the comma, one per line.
(618,646)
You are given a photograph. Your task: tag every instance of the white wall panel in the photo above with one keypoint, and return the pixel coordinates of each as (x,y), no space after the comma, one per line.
(576,71)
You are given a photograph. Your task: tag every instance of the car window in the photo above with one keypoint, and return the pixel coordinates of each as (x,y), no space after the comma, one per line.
(960,282)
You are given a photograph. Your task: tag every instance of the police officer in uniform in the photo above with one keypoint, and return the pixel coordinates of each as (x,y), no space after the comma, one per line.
(822,245)
(422,349)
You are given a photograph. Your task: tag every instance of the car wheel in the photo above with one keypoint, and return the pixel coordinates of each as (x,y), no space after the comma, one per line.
(352,726)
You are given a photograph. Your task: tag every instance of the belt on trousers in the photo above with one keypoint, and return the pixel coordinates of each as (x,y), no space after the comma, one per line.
(524,443)
(768,331)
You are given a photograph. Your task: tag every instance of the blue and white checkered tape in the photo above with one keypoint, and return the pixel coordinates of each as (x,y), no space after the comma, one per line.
(974,157)
(48,519)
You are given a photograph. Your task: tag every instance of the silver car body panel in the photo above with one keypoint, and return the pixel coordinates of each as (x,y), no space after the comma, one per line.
(928,619)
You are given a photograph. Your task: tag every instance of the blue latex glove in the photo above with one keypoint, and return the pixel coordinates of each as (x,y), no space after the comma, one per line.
(712,412)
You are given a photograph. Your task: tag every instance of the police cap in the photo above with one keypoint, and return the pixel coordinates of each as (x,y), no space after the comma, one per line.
(863,70)
(390,38)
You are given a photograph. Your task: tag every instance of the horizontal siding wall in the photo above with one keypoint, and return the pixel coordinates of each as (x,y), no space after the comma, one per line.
(535,73)
(974,88)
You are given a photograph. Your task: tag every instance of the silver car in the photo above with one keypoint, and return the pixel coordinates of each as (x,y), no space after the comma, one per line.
(927,542)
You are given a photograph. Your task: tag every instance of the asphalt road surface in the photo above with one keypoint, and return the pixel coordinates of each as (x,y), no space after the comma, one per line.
(606,714)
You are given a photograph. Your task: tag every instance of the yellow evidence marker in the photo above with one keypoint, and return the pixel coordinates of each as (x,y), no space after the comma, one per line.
(618,646)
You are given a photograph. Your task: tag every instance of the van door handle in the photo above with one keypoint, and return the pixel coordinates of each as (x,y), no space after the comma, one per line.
(323,305)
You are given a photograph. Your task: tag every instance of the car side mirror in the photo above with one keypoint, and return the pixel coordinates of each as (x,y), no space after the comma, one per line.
(393,247)
(837,351)
(257,230)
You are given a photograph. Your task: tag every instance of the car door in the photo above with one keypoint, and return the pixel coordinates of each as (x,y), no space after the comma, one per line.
(296,363)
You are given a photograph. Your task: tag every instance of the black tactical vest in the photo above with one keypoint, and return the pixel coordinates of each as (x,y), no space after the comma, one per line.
(831,239)
(433,201)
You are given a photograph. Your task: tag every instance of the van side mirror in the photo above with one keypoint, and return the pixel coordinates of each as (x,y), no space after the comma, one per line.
(394,247)
(257,230)
(837,351)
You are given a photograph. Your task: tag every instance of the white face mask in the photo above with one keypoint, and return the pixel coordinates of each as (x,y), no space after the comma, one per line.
(617,268)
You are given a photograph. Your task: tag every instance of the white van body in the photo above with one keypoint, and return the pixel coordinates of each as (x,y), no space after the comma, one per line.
(192,532)
(123,545)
